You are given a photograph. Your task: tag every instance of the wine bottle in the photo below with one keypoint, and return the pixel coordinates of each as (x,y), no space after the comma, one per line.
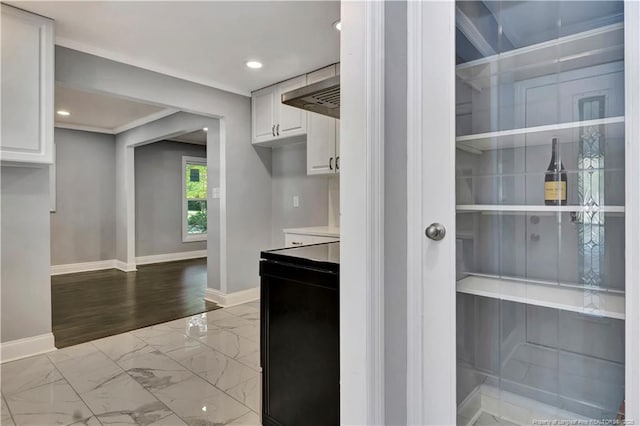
(555,178)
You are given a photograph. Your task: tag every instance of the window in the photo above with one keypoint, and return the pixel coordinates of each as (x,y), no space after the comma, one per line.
(194,199)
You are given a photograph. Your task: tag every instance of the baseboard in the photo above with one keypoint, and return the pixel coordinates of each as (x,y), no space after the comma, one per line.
(170,257)
(231,299)
(29,346)
(82,267)
(124,266)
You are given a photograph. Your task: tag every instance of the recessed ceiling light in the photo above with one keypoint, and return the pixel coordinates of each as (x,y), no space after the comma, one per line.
(254,64)
(64,113)
(337,25)
(206,129)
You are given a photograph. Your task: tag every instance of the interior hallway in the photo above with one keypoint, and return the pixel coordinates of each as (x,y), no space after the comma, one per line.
(91,305)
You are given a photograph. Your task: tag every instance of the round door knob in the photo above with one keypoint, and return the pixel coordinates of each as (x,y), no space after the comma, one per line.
(435,231)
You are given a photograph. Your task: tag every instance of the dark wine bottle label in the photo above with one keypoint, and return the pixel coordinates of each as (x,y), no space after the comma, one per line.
(555,191)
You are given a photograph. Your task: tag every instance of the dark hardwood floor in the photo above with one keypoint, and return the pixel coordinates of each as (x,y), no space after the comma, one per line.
(91,305)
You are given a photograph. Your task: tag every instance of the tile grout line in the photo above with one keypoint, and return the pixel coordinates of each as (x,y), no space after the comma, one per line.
(72,388)
(214,384)
(259,373)
(6,404)
(134,379)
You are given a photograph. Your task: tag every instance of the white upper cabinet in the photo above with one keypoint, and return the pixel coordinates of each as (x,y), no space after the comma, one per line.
(263,114)
(290,121)
(273,121)
(323,134)
(27,87)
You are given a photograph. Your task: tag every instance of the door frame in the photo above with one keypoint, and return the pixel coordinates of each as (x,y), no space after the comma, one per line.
(431,317)
(419,397)
(362,214)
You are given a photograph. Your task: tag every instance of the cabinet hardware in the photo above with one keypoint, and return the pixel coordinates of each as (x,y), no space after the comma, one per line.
(330,163)
(277,129)
(338,162)
(273,130)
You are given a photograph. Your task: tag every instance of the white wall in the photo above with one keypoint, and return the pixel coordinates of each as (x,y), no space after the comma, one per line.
(83,225)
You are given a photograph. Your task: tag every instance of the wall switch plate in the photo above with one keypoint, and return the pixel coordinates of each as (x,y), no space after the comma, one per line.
(215,192)
(296,201)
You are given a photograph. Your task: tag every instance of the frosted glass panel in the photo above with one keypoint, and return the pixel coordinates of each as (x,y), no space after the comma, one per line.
(540,226)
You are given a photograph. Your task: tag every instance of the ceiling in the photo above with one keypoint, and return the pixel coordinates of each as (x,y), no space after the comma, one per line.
(205,42)
(102,113)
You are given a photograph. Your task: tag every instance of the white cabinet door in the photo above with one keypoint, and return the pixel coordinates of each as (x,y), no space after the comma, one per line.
(321,133)
(337,149)
(263,114)
(321,145)
(27,87)
(290,121)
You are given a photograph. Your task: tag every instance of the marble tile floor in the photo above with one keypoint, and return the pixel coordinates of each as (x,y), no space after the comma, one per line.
(201,370)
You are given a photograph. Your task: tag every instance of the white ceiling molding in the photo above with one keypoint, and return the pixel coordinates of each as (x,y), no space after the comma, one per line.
(114,131)
(144,120)
(93,129)
(137,62)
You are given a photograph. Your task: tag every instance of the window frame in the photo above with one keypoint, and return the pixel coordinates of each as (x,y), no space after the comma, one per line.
(186,237)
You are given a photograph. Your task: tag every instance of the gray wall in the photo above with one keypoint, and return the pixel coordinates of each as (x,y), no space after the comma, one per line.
(247,183)
(289,178)
(159,197)
(25,258)
(83,226)
(395,223)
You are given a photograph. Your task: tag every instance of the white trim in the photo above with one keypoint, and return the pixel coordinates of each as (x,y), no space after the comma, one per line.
(223,205)
(115,130)
(414,214)
(362,214)
(72,268)
(374,215)
(144,120)
(53,180)
(431,332)
(82,127)
(137,62)
(125,267)
(170,257)
(232,299)
(200,161)
(632,226)
(29,346)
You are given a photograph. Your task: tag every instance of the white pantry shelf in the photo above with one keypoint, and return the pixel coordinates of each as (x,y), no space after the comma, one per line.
(539,135)
(551,295)
(589,48)
(533,208)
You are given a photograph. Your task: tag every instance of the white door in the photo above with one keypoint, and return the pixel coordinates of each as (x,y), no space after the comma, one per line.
(290,121)
(263,111)
(520,185)
(431,200)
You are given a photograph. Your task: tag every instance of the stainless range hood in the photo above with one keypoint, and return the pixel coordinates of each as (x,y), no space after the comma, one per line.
(322,97)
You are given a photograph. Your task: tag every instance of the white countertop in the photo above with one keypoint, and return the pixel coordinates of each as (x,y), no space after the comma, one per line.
(320,231)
